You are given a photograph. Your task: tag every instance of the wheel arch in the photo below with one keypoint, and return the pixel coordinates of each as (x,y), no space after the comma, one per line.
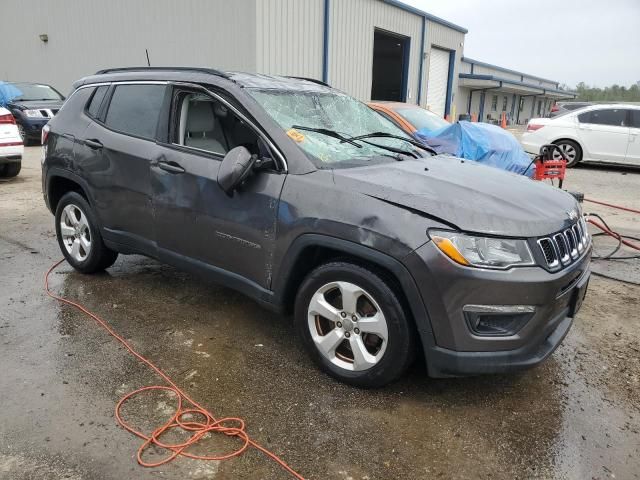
(60,182)
(311,250)
(571,139)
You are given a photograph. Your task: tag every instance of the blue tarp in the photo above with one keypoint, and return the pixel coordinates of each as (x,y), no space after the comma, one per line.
(481,142)
(7,92)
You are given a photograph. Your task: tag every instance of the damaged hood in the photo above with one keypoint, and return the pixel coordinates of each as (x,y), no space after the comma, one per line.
(465,195)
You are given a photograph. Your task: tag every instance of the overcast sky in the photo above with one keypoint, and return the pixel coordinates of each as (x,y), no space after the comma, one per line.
(594,41)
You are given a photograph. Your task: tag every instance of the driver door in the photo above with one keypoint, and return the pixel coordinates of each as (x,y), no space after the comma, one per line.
(197,225)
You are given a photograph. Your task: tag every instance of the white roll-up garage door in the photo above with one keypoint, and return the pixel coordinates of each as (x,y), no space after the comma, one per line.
(438,79)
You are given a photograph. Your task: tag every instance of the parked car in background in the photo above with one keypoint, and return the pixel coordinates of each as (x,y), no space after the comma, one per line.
(598,133)
(561,108)
(32,105)
(478,141)
(308,201)
(11,148)
(409,117)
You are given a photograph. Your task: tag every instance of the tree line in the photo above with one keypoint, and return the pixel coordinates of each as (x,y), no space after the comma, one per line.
(614,93)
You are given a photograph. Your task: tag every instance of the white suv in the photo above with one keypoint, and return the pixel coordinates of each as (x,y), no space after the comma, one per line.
(598,133)
(11,147)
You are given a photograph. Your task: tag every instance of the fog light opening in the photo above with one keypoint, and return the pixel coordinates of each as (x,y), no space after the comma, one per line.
(497,320)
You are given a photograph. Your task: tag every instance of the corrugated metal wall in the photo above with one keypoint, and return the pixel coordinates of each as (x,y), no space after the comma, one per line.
(87,35)
(351,43)
(290,37)
(444,37)
(271,36)
(481,70)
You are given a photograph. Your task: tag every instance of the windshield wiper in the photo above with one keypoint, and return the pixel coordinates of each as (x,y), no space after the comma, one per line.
(391,149)
(397,137)
(329,133)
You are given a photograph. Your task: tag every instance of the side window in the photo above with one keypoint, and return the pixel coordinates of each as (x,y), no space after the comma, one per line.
(635,118)
(135,109)
(612,116)
(584,117)
(204,123)
(93,107)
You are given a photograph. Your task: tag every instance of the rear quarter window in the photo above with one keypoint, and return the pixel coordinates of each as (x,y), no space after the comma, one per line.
(135,109)
(93,108)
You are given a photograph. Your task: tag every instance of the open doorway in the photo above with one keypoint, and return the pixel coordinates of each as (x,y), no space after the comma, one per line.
(390,66)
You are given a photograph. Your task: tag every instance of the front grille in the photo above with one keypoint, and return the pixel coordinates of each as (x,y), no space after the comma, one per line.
(548,251)
(563,248)
(47,113)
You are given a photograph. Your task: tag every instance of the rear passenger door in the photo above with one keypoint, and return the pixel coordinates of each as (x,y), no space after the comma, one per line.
(605,134)
(633,150)
(120,144)
(199,226)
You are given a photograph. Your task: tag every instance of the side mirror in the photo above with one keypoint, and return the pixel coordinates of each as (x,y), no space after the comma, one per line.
(235,168)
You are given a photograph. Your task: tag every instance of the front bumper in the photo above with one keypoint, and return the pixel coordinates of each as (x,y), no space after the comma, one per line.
(446,288)
(33,127)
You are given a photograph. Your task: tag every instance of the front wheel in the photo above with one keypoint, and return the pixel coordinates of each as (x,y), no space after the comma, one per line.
(79,236)
(353,325)
(571,150)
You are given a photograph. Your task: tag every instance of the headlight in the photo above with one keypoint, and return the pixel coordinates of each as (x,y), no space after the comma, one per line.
(33,113)
(484,252)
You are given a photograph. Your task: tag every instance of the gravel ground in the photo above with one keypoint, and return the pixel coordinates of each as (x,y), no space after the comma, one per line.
(577,416)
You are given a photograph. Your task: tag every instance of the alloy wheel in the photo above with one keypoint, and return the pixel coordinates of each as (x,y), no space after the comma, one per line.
(568,150)
(347,326)
(75,232)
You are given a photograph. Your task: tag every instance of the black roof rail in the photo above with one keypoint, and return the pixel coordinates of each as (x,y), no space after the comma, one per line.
(210,71)
(312,80)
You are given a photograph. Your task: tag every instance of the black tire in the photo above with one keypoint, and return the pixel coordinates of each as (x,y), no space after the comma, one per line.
(571,145)
(99,256)
(401,343)
(10,170)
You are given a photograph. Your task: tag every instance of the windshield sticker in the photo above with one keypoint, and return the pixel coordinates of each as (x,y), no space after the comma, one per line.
(295,135)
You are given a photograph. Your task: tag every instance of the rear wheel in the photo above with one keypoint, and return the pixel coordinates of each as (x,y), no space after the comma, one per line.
(79,236)
(571,150)
(353,325)
(10,170)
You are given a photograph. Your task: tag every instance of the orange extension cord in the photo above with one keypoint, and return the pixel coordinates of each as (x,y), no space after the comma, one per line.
(232,427)
(626,209)
(613,234)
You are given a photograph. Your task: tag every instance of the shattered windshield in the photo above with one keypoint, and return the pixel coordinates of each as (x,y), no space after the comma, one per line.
(332,113)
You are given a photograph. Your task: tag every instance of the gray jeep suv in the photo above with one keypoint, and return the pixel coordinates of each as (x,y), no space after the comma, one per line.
(309,202)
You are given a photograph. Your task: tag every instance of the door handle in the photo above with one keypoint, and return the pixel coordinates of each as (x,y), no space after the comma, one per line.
(171,167)
(93,144)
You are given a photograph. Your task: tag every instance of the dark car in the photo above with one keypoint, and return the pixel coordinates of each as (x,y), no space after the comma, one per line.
(561,108)
(309,202)
(32,105)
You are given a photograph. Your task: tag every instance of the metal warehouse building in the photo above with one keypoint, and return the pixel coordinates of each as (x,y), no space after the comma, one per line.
(371,49)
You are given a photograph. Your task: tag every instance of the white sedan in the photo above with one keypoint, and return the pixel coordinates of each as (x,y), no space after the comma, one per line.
(11,147)
(598,133)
